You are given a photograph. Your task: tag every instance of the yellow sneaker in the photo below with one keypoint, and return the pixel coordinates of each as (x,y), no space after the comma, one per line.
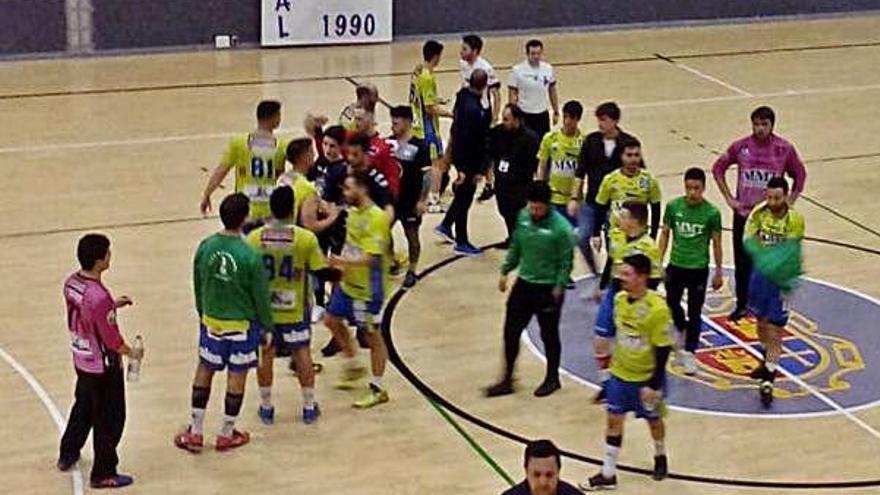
(373,397)
(350,378)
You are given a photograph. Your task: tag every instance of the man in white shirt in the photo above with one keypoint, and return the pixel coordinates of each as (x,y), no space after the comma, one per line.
(530,85)
(471,47)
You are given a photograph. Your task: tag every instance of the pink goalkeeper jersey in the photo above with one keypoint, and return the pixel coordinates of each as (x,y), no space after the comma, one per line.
(91,319)
(758,163)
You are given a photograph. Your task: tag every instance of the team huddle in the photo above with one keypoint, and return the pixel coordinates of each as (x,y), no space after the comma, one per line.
(306,237)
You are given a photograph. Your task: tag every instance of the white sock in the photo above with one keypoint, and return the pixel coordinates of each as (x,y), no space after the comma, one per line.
(659,447)
(228,426)
(604,374)
(609,461)
(308,397)
(377,381)
(771,367)
(198,421)
(266,396)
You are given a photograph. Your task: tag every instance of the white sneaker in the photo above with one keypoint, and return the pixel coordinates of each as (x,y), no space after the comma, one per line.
(690,363)
(318,314)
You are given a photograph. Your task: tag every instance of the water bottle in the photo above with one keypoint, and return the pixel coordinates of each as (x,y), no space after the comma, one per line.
(134,365)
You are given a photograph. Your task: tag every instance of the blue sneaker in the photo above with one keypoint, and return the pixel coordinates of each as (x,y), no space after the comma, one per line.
(311,415)
(444,233)
(467,250)
(118,481)
(267,414)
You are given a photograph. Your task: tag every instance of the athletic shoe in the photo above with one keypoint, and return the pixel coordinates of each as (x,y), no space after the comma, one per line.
(598,483)
(410,280)
(266,414)
(504,387)
(661,467)
(486,195)
(65,465)
(601,396)
(118,481)
(189,441)
(444,233)
(690,363)
(766,392)
(434,206)
(331,349)
(395,269)
(547,388)
(738,314)
(759,373)
(467,250)
(237,439)
(372,398)
(350,377)
(310,415)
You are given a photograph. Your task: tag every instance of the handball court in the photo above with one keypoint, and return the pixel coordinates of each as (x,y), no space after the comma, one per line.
(122,145)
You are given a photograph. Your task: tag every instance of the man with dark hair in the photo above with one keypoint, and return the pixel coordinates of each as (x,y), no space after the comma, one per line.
(692,221)
(638,369)
(542,464)
(470,132)
(258,160)
(558,157)
(412,154)
(427,107)
(233,304)
(600,155)
(381,156)
(359,298)
(631,182)
(513,149)
(97,346)
(541,249)
(291,256)
(530,85)
(471,59)
(774,235)
(309,210)
(359,161)
(759,157)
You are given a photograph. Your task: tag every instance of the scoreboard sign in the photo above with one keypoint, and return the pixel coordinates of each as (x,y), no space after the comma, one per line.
(325,22)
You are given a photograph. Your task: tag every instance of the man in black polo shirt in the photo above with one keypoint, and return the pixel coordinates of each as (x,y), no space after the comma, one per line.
(600,155)
(513,149)
(542,465)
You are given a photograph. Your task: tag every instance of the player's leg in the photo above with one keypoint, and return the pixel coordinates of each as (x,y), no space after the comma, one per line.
(439,169)
(376,394)
(305,372)
(696,287)
(742,268)
(518,312)
(658,434)
(414,247)
(243,350)
(212,350)
(265,377)
(340,309)
(604,331)
(108,419)
(585,224)
(79,423)
(606,479)
(548,320)
(462,202)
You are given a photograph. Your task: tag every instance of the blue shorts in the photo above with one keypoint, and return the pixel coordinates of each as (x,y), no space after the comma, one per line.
(237,351)
(290,337)
(624,396)
(766,300)
(605,317)
(354,311)
(563,210)
(432,140)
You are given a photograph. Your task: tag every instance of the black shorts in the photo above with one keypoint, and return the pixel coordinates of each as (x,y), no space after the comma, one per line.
(407,215)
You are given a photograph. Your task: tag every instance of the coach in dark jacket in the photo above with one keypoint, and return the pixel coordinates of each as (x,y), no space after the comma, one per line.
(470,132)
(513,149)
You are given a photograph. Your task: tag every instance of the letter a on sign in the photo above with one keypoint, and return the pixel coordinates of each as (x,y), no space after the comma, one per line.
(279,4)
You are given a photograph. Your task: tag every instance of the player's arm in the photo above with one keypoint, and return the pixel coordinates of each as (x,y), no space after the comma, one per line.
(565,257)
(514,252)
(512,95)
(603,200)
(719,169)
(431,100)
(495,101)
(554,101)
(308,214)
(794,167)
(663,242)
(717,251)
(197,281)
(101,310)
(543,157)
(260,296)
(214,182)
(655,218)
(660,321)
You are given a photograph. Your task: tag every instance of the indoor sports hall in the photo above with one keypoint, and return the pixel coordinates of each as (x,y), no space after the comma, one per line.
(122,141)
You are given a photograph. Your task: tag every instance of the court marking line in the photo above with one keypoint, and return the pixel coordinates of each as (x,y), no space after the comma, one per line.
(421,386)
(655,104)
(839,215)
(49,405)
(709,412)
(251,82)
(703,75)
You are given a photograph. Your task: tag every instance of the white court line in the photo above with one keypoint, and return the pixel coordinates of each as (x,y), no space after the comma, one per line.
(709,78)
(650,104)
(796,379)
(77,478)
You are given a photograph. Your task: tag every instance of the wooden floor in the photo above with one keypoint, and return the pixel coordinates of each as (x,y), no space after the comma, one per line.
(122,145)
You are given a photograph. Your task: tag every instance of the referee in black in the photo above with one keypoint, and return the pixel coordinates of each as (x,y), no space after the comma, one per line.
(513,149)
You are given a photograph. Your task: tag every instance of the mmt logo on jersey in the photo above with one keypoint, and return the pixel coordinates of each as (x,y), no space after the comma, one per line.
(687,229)
(757,177)
(830,354)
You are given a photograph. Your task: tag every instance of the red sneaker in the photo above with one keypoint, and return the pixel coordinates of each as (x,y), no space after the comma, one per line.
(189,441)
(237,439)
